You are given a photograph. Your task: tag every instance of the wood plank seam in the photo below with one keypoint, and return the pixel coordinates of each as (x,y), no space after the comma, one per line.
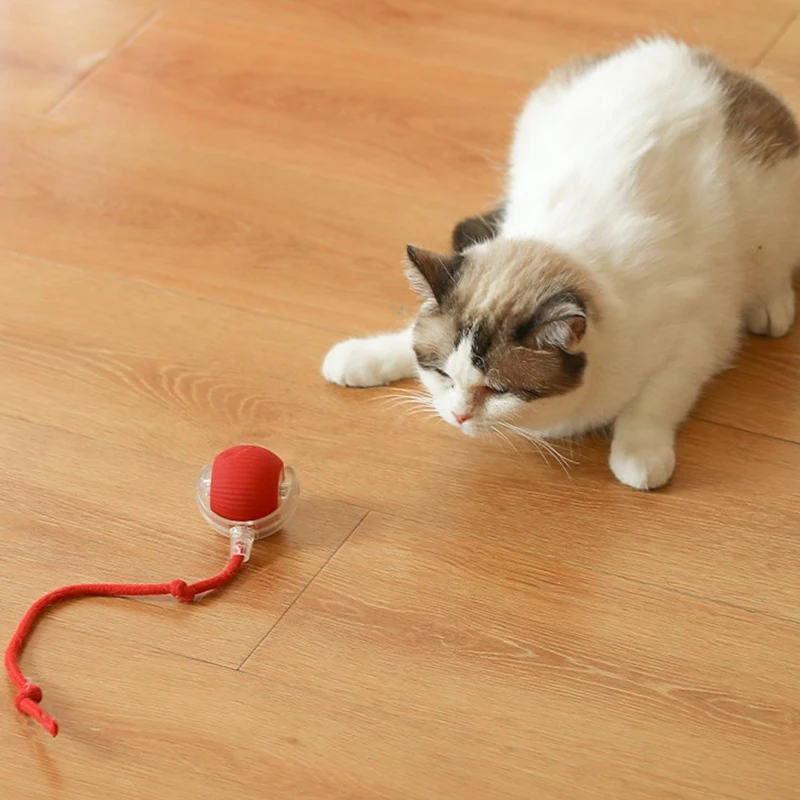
(304,589)
(81,80)
(772,43)
(334,498)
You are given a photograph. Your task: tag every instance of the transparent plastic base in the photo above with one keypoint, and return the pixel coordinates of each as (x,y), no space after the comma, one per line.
(243,534)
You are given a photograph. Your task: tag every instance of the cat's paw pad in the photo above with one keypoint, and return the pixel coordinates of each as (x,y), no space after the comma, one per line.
(355,362)
(644,461)
(775,317)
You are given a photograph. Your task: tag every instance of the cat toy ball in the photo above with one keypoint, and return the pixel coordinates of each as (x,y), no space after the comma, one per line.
(247,493)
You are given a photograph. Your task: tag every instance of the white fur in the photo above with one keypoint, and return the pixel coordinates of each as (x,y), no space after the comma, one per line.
(372,361)
(628,170)
(456,396)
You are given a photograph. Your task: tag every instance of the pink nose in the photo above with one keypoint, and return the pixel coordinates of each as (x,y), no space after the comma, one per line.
(462,418)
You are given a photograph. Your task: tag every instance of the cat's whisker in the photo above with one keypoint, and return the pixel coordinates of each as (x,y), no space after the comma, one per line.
(522,433)
(417,407)
(401,393)
(415,412)
(413,392)
(504,437)
(559,457)
(401,398)
(414,403)
(399,402)
(543,446)
(538,445)
(562,460)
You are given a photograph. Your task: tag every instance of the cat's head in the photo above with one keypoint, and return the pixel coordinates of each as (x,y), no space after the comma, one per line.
(501,335)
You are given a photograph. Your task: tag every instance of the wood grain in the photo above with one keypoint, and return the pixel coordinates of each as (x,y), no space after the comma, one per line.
(762,390)
(784,59)
(322,252)
(343,114)
(221,191)
(419,666)
(49,46)
(496,674)
(301,247)
(83,510)
(511,37)
(212,375)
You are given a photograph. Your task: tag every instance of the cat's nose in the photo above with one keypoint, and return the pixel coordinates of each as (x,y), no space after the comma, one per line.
(462,418)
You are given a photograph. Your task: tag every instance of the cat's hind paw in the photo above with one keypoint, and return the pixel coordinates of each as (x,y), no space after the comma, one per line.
(774,317)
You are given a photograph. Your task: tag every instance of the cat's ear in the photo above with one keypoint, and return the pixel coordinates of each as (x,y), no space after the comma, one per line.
(560,321)
(431,275)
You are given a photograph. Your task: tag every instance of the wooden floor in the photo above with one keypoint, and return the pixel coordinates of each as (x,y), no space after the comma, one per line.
(199,197)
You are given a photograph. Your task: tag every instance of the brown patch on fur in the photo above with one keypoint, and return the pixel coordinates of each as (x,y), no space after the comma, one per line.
(507,294)
(431,274)
(759,122)
(535,373)
(476,229)
(503,282)
(502,289)
(434,336)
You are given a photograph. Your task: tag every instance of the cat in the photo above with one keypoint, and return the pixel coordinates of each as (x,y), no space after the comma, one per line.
(652,211)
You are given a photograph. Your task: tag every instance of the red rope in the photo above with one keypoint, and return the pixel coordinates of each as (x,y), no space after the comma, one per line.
(29,695)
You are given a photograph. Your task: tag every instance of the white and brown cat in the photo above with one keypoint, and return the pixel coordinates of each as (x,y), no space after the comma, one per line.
(652,212)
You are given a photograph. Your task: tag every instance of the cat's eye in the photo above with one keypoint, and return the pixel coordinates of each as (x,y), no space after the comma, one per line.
(444,376)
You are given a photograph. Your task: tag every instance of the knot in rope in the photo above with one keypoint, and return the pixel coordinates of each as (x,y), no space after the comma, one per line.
(30,692)
(181,590)
(27,702)
(30,695)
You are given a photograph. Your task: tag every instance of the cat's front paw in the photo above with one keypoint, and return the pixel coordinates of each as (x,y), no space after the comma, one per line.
(373,361)
(353,363)
(643,459)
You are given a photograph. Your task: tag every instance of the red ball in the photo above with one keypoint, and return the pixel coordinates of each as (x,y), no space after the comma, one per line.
(245,483)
